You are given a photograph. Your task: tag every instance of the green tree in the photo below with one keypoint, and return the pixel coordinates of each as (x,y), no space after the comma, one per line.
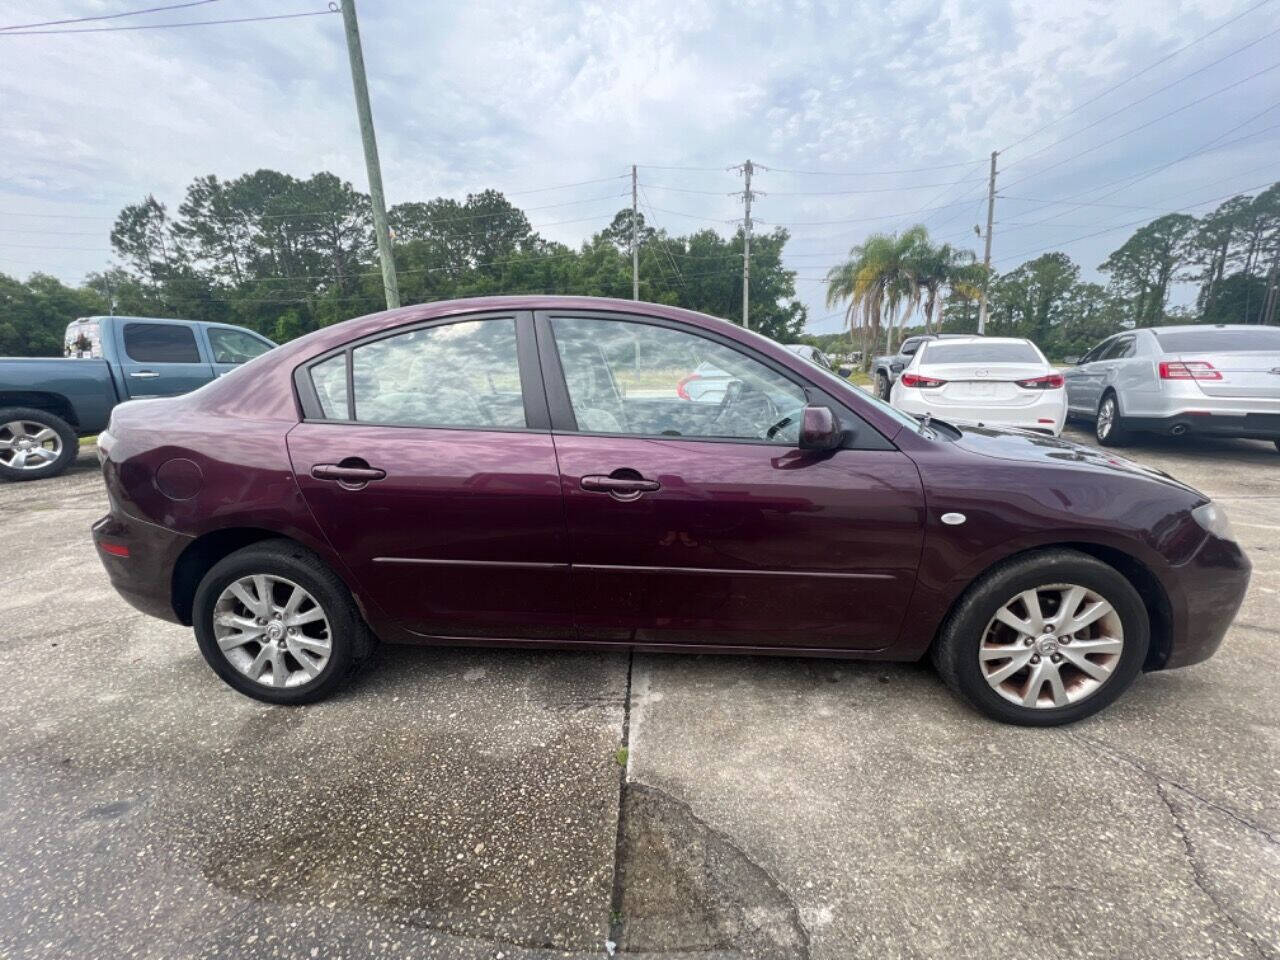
(876,283)
(1142,269)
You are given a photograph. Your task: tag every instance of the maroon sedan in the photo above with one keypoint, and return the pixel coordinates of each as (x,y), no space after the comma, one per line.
(525,471)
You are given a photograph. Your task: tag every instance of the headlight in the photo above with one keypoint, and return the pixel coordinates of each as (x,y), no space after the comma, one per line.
(1213,518)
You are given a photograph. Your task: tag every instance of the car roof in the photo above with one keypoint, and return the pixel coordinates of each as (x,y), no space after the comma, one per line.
(117,316)
(1188,327)
(974,338)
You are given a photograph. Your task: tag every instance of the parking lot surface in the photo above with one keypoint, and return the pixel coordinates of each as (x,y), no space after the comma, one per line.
(466,803)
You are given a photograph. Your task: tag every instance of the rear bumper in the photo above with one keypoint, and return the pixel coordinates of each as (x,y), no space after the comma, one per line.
(1210,588)
(1047,414)
(1251,426)
(145,576)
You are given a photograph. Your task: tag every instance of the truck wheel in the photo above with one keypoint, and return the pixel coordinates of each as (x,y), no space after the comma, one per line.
(882,387)
(35,444)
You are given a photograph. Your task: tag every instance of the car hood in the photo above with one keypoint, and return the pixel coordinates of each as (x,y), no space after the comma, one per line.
(1027,446)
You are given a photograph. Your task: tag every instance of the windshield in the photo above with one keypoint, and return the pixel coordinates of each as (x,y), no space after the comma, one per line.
(1211,340)
(980,353)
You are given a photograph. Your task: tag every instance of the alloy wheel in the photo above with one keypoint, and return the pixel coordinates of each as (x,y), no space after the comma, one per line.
(28,445)
(1051,646)
(1106,418)
(272,630)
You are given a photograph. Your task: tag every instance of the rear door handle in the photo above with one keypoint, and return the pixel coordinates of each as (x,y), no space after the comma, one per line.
(334,471)
(144,374)
(621,488)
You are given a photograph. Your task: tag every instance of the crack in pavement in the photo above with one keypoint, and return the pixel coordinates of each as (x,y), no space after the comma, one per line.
(1122,757)
(1198,873)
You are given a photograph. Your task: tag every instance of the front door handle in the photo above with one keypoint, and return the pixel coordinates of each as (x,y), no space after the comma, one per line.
(620,488)
(346,475)
(144,374)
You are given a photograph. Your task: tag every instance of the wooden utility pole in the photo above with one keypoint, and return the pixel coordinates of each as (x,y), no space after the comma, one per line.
(361,85)
(986,256)
(635,242)
(747,195)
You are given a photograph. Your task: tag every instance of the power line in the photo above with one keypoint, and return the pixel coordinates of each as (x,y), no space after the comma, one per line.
(166,26)
(1143,126)
(110,16)
(1145,70)
(1134,103)
(877,173)
(1133,223)
(664,244)
(1125,183)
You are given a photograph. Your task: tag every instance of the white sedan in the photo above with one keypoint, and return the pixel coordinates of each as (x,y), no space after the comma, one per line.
(992,381)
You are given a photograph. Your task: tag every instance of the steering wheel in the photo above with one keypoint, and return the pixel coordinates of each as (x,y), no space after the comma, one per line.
(753,407)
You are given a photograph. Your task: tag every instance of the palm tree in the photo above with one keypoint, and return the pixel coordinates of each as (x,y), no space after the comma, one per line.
(879,280)
(945,268)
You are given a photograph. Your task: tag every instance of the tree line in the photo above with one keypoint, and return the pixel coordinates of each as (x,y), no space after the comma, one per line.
(900,283)
(284,256)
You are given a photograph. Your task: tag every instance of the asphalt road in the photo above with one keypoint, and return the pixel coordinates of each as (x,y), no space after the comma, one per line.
(467,803)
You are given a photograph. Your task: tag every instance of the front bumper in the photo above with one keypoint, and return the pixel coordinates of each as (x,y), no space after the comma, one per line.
(144,577)
(1209,588)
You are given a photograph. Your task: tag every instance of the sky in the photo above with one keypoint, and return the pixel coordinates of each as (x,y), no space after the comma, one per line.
(866,116)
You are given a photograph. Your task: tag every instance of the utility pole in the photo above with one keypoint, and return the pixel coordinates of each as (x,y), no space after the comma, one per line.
(635,244)
(376,197)
(986,256)
(747,195)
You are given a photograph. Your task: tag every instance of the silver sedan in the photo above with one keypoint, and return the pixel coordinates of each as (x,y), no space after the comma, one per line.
(1221,380)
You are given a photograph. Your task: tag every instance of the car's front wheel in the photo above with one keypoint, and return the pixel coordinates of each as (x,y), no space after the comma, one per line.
(278,625)
(1044,639)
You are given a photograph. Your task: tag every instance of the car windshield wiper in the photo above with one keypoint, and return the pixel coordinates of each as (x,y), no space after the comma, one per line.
(928,421)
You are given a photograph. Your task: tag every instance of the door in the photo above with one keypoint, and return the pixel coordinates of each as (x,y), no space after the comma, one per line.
(426,458)
(229,347)
(160,359)
(1085,380)
(698,520)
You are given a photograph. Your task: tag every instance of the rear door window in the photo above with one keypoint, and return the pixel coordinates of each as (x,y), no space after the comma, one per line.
(1119,349)
(1210,340)
(160,343)
(463,374)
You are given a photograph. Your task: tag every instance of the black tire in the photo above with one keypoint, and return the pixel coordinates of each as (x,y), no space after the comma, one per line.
(883,386)
(955,652)
(70,444)
(351,641)
(1110,433)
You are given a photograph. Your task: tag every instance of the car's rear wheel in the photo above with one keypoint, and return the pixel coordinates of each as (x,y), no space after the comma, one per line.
(1045,639)
(882,387)
(1107,427)
(35,444)
(277,624)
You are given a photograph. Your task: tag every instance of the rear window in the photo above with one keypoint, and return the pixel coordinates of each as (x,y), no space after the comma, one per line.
(1210,340)
(83,340)
(938,352)
(160,343)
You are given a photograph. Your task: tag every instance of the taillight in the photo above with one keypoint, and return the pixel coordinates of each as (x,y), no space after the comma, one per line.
(924,383)
(1188,370)
(1052,381)
(681,392)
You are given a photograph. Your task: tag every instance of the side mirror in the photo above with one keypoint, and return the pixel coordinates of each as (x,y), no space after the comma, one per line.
(845,371)
(895,367)
(819,429)
(1073,361)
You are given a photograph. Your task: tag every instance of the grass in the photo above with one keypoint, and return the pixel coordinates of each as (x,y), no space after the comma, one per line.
(88,441)
(620,756)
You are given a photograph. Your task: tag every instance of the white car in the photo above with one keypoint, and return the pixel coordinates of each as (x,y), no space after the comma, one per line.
(992,381)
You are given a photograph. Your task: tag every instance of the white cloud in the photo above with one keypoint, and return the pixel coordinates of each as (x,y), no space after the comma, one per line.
(517,96)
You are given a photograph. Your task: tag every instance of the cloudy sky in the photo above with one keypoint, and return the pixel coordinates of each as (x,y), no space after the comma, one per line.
(868,116)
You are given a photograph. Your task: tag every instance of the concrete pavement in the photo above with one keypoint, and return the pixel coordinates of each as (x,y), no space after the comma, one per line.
(466,803)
